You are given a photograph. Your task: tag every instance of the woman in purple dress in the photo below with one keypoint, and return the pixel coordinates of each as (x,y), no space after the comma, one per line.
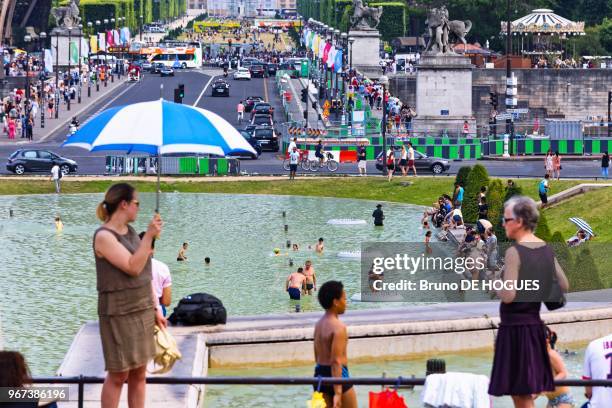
(521,367)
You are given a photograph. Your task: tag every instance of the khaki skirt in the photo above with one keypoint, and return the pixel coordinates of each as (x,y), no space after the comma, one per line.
(127,340)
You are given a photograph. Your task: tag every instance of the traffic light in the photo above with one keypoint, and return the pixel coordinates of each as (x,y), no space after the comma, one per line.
(494,100)
(181,91)
(177,96)
(304,95)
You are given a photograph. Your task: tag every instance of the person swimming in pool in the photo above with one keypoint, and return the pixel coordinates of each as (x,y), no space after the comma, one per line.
(295,284)
(296,247)
(319,247)
(59,225)
(330,344)
(311,278)
(181,255)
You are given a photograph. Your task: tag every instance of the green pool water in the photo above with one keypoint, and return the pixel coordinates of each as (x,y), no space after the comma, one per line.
(48,278)
(221,396)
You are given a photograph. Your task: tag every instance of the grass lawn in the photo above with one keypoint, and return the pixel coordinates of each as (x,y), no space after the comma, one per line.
(423,191)
(592,206)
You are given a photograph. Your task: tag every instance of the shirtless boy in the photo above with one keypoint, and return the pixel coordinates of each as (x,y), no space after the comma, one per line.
(330,343)
(311,278)
(295,283)
(319,247)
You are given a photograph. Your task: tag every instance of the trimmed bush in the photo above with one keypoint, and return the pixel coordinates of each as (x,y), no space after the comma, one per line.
(584,274)
(495,200)
(462,175)
(477,178)
(543,231)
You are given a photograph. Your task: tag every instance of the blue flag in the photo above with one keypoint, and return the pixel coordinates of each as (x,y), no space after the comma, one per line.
(338,61)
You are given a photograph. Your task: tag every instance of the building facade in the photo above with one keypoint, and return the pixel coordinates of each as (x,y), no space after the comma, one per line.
(197,4)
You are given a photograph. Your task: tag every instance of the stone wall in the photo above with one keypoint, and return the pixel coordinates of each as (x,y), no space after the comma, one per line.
(563,93)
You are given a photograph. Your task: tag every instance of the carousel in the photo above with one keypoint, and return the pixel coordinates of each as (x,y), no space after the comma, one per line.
(545,38)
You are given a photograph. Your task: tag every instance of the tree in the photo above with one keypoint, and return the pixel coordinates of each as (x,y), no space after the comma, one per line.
(513,191)
(586,276)
(605,35)
(543,231)
(495,201)
(477,178)
(462,175)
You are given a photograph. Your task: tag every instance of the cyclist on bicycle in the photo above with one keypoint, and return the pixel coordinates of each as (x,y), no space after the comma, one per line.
(319,153)
(240,110)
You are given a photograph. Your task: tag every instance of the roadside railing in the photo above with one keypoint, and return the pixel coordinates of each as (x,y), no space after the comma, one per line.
(397,382)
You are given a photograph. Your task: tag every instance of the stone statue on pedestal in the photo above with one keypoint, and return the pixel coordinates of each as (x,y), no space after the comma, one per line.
(362,14)
(440,29)
(67,16)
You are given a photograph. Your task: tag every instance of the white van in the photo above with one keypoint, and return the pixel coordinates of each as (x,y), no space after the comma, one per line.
(109,60)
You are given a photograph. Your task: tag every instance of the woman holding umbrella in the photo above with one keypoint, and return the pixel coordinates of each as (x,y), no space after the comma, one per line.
(126,306)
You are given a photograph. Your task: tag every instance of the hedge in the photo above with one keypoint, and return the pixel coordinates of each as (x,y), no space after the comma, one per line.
(477,178)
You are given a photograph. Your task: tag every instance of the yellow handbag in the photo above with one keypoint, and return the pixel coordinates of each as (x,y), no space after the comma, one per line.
(317,401)
(166,351)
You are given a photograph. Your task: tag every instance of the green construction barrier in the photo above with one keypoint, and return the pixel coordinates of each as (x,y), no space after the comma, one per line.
(204,165)
(188,165)
(562,146)
(370,153)
(222,166)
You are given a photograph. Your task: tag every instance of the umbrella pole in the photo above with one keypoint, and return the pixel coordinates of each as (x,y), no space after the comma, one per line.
(158,182)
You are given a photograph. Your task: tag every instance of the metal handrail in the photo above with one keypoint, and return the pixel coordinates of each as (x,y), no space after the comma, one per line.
(397,382)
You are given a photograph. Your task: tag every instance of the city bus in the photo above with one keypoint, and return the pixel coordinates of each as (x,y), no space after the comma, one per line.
(178,55)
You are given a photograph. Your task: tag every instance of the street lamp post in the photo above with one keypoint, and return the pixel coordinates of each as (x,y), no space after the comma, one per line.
(69,73)
(56,73)
(97,73)
(334,73)
(384,81)
(27,39)
(42,36)
(89,27)
(141,23)
(351,40)
(80,75)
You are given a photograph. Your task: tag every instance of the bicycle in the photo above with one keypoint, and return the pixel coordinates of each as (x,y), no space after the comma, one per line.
(304,163)
(328,162)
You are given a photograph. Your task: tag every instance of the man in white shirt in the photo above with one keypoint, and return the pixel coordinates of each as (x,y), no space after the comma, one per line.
(411,164)
(162,283)
(294,158)
(292,145)
(56,176)
(598,366)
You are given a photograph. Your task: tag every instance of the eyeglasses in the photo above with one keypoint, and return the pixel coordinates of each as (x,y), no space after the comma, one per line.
(506,220)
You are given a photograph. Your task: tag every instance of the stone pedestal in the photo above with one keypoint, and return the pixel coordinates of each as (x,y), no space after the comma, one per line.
(59,44)
(366,49)
(443,95)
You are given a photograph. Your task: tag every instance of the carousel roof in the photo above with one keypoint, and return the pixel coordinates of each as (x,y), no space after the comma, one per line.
(544,21)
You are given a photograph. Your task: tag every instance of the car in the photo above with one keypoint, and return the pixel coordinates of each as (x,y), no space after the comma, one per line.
(250,101)
(262,108)
(267,138)
(166,71)
(257,70)
(249,130)
(247,62)
(156,67)
(242,73)
(38,160)
(220,87)
(422,162)
(262,119)
(272,68)
(253,142)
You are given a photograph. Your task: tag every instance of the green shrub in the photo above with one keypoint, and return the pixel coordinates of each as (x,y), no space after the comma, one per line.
(584,274)
(477,178)
(462,175)
(495,200)
(543,231)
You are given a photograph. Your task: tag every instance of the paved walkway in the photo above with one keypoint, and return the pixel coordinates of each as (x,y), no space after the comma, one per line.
(52,125)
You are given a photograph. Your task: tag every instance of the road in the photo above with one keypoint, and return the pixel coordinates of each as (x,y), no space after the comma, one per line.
(196,91)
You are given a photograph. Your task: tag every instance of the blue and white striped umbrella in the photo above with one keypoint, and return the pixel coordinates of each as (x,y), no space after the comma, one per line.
(583,225)
(160,127)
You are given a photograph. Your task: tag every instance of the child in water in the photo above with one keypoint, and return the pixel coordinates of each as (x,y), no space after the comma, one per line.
(296,247)
(181,255)
(59,225)
(428,249)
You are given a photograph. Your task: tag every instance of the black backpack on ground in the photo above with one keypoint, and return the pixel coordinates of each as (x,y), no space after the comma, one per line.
(199,309)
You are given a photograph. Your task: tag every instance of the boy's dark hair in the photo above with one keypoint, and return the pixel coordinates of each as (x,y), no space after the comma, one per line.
(207,260)
(320,239)
(483,188)
(546,176)
(329,291)
(300,270)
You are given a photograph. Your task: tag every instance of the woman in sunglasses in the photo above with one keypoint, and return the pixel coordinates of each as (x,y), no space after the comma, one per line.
(521,366)
(126,307)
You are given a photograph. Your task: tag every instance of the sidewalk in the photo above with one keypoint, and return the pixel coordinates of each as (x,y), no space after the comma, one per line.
(52,125)
(296,107)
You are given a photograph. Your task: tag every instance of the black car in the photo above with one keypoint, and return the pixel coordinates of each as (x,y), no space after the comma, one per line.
(267,138)
(262,108)
(258,70)
(253,142)
(36,160)
(262,119)
(249,130)
(166,71)
(157,67)
(421,161)
(251,101)
(272,68)
(220,88)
